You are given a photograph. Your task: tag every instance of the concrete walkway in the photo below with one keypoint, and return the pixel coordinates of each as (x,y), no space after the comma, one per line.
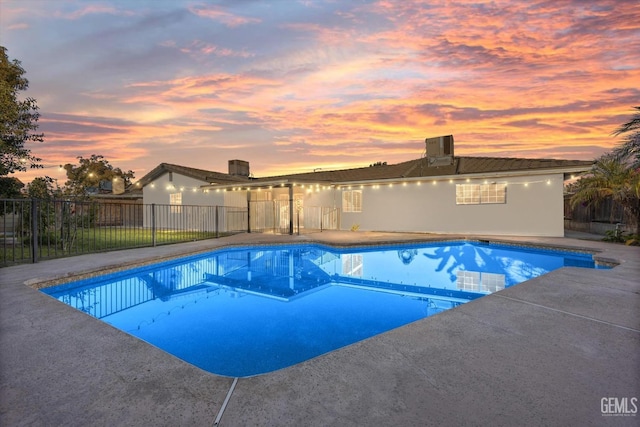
(545,352)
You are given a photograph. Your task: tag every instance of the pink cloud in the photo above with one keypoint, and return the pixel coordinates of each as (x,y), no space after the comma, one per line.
(217,14)
(93,9)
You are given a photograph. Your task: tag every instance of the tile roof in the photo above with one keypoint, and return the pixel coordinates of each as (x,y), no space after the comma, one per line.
(410,169)
(200,174)
(418,168)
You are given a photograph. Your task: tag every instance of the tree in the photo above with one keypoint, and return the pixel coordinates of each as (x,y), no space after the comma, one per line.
(93,175)
(18,119)
(629,150)
(44,188)
(610,178)
(10,187)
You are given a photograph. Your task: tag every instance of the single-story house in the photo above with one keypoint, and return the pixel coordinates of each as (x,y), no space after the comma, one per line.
(437,193)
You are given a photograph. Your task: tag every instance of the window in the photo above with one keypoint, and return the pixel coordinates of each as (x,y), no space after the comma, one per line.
(467,194)
(475,281)
(352,265)
(477,194)
(175,200)
(352,201)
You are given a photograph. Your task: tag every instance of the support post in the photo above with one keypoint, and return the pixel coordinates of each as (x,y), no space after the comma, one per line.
(291,209)
(248,211)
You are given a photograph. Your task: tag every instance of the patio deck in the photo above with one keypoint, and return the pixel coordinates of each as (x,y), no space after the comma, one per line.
(544,352)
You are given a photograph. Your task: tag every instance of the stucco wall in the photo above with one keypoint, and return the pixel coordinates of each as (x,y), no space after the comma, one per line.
(535,209)
(159,190)
(192,216)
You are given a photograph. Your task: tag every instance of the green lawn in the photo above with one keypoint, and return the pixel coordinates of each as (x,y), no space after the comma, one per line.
(88,240)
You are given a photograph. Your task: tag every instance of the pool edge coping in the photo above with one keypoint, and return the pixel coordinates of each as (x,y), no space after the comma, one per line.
(40,283)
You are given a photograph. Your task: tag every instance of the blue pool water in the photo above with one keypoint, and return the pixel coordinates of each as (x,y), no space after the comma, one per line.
(246,311)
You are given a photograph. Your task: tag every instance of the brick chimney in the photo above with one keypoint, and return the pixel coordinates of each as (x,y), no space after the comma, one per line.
(239,168)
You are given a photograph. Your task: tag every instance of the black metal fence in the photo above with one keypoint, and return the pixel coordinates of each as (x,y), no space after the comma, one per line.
(32,229)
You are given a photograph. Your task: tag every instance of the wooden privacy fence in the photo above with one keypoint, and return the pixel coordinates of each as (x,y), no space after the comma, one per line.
(597,218)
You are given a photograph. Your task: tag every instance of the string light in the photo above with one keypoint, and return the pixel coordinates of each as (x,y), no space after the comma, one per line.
(318,188)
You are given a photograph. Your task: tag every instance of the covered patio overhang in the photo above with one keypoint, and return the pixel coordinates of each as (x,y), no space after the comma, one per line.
(259,185)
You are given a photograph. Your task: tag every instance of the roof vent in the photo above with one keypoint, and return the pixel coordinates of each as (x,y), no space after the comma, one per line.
(439,151)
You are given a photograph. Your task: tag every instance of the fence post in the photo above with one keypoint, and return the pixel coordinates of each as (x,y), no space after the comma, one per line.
(216,222)
(34,230)
(153,224)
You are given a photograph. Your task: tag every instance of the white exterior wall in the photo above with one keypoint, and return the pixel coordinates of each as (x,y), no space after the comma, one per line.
(191,216)
(532,210)
(535,209)
(159,190)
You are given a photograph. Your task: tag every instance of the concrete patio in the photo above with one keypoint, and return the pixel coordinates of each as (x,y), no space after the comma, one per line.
(545,352)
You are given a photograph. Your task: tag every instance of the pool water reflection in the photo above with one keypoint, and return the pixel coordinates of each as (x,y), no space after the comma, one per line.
(246,311)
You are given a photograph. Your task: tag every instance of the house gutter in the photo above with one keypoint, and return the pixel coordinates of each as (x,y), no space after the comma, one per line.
(458,177)
(483,175)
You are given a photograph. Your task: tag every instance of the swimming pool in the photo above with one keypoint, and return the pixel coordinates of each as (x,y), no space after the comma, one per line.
(245,311)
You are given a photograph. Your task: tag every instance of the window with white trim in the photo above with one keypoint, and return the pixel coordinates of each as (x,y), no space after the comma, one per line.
(479,194)
(175,200)
(352,201)
(352,265)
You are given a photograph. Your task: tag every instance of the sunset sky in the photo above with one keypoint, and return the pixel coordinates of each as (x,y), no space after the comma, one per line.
(291,86)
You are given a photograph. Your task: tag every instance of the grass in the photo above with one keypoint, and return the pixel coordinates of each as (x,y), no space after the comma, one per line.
(89,240)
